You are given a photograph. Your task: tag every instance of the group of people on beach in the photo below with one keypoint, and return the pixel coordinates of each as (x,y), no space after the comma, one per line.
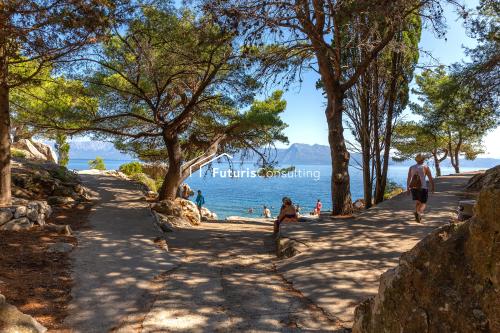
(417,185)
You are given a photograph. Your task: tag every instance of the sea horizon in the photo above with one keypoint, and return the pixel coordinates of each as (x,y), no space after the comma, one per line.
(244,195)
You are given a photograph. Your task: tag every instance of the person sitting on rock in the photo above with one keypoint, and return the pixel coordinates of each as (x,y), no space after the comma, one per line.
(200,201)
(186,191)
(287,214)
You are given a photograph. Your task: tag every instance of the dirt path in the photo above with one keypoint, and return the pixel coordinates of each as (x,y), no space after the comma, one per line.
(227,283)
(116,261)
(342,259)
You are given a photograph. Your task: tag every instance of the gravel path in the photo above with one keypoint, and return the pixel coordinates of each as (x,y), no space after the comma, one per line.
(116,263)
(227,283)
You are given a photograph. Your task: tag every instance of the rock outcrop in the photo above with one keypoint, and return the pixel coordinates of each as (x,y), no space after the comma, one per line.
(207,215)
(35,150)
(178,208)
(40,180)
(179,213)
(489,178)
(449,282)
(14,321)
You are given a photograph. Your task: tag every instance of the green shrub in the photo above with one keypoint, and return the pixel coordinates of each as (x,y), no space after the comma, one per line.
(392,189)
(159,183)
(17,153)
(144,179)
(98,164)
(131,168)
(63,174)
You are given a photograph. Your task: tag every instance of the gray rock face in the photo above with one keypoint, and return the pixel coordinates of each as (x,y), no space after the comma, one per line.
(449,282)
(14,321)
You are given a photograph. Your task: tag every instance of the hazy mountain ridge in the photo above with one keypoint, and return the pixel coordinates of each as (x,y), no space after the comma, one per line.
(295,154)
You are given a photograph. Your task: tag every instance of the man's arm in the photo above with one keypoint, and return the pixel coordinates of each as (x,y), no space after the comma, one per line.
(408,180)
(431,180)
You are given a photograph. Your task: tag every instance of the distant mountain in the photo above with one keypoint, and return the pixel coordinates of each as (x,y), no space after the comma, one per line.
(299,153)
(295,154)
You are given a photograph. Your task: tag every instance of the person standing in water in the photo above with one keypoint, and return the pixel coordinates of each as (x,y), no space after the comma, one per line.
(200,201)
(317,209)
(417,185)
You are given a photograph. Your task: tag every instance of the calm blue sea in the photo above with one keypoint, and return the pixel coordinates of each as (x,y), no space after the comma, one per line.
(228,196)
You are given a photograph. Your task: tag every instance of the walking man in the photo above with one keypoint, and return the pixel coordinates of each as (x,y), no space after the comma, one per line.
(417,185)
(200,201)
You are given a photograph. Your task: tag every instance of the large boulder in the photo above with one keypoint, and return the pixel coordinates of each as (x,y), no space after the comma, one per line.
(36,150)
(46,151)
(29,149)
(206,214)
(179,208)
(14,321)
(449,282)
(490,177)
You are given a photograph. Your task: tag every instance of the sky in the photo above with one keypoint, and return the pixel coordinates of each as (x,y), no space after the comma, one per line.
(305,105)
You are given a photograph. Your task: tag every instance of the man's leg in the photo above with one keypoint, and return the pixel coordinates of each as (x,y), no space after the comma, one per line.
(417,210)
(422,208)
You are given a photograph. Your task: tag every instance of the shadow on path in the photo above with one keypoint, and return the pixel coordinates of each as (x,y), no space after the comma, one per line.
(345,257)
(116,260)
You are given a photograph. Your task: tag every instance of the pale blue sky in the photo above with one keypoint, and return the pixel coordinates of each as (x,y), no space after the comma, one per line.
(305,105)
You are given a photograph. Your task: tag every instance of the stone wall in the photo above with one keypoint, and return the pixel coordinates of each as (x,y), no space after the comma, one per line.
(24,214)
(449,282)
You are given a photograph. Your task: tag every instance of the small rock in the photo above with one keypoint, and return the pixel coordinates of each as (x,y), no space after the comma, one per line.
(56,200)
(60,247)
(20,212)
(32,214)
(5,216)
(62,229)
(41,219)
(22,223)
(20,201)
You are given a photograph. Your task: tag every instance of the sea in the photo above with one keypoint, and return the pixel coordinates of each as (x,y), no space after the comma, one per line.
(238,191)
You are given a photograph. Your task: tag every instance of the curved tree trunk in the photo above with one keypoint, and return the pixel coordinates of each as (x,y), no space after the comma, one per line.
(173,179)
(341,190)
(437,165)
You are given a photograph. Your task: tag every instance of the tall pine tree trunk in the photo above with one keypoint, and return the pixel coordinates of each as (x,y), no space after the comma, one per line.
(173,178)
(365,132)
(5,190)
(341,191)
(392,95)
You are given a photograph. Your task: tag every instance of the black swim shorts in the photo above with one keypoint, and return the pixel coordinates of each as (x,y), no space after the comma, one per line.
(420,194)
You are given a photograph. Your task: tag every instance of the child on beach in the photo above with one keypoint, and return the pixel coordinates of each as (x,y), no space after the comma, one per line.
(200,201)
